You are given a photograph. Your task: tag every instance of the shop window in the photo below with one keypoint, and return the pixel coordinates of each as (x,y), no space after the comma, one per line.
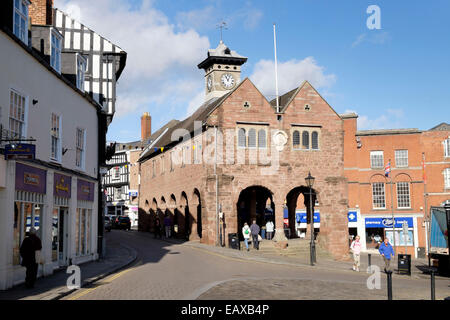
(374,237)
(378,195)
(83,239)
(400,238)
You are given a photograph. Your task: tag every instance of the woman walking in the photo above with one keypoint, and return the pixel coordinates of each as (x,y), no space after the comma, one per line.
(356,249)
(246,233)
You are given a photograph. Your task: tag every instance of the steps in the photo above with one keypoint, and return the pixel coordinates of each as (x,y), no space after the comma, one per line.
(296,247)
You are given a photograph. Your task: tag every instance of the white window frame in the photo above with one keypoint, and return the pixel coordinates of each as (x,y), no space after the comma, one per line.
(23,17)
(58,136)
(81,71)
(116,173)
(55,57)
(374,201)
(374,154)
(80,149)
(402,197)
(12,93)
(446,174)
(399,157)
(447,148)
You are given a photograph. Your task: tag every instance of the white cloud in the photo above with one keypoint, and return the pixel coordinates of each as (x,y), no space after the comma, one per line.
(389,119)
(161,62)
(196,102)
(291,74)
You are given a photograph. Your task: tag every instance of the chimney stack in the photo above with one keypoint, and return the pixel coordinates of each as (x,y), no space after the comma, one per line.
(41,12)
(146,126)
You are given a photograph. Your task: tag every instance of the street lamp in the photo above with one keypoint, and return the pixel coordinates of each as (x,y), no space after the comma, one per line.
(310,182)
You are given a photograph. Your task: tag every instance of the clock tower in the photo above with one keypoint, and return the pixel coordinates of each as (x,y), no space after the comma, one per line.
(222,71)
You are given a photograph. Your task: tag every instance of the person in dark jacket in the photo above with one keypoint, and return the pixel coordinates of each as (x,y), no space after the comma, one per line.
(157,227)
(254,228)
(28,249)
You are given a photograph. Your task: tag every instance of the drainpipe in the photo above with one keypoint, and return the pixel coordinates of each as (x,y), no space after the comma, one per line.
(217,187)
(139,191)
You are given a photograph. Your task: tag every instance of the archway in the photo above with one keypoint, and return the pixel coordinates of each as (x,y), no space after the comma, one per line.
(196,203)
(255,202)
(298,206)
(186,227)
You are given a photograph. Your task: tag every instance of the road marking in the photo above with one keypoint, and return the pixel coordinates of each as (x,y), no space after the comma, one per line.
(107,280)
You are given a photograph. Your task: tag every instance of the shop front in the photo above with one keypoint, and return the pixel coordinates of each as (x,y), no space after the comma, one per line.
(301,220)
(62,187)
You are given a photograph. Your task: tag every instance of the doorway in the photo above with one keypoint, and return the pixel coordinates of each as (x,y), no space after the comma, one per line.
(60,235)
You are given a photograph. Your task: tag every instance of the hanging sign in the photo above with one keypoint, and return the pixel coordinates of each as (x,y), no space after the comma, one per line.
(20,151)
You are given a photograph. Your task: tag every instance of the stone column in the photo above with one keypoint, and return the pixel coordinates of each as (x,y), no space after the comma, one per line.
(46,225)
(279,239)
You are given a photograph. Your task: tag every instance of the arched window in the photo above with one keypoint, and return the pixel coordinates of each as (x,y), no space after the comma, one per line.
(262,138)
(305,140)
(315,140)
(252,138)
(296,140)
(242,140)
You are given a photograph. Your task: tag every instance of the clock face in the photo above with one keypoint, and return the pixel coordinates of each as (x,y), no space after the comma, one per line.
(209,83)
(227,81)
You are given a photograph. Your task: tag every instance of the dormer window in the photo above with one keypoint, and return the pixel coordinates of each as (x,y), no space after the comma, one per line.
(20,19)
(55,58)
(81,70)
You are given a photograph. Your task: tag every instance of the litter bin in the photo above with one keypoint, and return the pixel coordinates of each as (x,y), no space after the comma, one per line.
(404,264)
(233,241)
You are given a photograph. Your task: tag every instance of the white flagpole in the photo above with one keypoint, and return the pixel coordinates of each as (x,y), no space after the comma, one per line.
(276,65)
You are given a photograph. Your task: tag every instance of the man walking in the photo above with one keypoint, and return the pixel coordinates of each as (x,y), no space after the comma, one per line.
(28,249)
(168,226)
(387,252)
(254,228)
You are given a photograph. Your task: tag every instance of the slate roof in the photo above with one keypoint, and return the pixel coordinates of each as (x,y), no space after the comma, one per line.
(441,127)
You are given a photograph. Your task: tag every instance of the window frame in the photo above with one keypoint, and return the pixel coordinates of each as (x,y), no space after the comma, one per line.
(82,150)
(81,76)
(374,200)
(446,144)
(374,153)
(13,92)
(298,145)
(55,34)
(397,165)
(58,157)
(22,15)
(446,174)
(399,196)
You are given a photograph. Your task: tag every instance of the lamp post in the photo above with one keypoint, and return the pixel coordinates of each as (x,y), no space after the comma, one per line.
(310,182)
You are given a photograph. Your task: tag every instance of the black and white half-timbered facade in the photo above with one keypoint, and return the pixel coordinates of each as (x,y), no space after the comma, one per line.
(104,61)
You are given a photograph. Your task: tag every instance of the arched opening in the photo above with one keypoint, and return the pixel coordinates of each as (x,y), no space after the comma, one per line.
(187,216)
(255,202)
(297,213)
(198,205)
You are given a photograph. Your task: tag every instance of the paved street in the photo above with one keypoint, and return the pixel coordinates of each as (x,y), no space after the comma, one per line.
(168,270)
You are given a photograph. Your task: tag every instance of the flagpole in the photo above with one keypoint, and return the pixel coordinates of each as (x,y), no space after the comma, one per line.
(427,217)
(392,207)
(276,66)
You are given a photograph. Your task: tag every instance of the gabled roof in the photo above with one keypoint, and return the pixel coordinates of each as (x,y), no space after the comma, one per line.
(441,127)
(200,115)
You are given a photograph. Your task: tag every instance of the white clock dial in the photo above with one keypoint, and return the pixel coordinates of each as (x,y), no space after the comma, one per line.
(209,83)
(227,81)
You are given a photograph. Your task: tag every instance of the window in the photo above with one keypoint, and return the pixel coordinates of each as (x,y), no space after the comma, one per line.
(80,148)
(252,138)
(171,161)
(116,173)
(55,58)
(17,109)
(56,137)
(305,140)
(447,148)
(296,140)
(21,19)
(447,178)
(376,159)
(378,195)
(81,70)
(153,168)
(242,139)
(315,140)
(262,138)
(401,158)
(403,200)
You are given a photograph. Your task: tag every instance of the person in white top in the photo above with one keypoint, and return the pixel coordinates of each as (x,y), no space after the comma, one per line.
(356,249)
(246,233)
(269,230)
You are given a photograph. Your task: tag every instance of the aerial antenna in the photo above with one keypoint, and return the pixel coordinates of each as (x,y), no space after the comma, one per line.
(276,66)
(222,25)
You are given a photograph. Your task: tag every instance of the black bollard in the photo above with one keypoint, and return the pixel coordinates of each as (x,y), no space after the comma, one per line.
(389,284)
(433,288)
(370,259)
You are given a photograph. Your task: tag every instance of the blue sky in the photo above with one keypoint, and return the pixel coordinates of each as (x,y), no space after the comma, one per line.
(396,77)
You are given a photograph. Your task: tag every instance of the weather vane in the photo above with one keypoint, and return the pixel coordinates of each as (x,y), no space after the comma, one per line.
(222,25)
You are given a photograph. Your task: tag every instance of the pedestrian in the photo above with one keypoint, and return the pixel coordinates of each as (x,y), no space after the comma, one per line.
(28,249)
(246,233)
(255,232)
(157,228)
(168,226)
(356,249)
(387,252)
(269,229)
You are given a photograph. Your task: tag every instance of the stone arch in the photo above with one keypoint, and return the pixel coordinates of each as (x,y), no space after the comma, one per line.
(185,227)
(301,193)
(196,203)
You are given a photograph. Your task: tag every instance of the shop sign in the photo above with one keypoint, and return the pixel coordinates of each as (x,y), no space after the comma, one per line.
(133,193)
(20,151)
(352,216)
(302,218)
(387,222)
(85,190)
(62,185)
(30,179)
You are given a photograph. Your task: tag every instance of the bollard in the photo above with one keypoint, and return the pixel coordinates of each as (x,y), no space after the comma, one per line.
(433,288)
(389,284)
(370,259)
